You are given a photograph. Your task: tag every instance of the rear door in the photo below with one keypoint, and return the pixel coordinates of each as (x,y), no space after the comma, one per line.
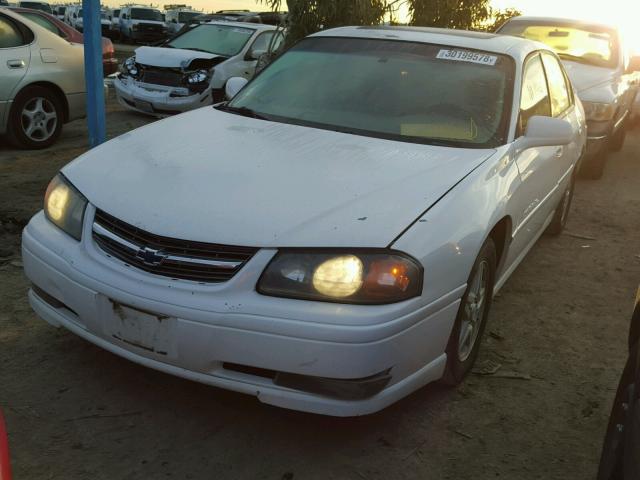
(15,56)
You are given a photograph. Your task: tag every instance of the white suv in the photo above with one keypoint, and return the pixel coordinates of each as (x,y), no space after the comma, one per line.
(142,24)
(176,18)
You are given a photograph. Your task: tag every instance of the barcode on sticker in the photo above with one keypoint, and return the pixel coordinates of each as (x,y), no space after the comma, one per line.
(467,56)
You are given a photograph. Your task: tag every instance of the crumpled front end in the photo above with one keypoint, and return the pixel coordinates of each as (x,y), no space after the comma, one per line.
(165,90)
(158,100)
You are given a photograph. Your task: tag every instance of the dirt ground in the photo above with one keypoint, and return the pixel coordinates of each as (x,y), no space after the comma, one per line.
(75,411)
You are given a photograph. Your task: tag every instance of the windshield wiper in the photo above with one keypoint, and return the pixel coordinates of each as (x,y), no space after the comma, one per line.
(244,111)
(197,50)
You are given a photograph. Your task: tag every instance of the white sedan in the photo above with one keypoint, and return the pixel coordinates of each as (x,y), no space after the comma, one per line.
(330,240)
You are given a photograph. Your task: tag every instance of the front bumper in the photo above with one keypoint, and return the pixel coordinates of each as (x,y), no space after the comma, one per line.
(205,328)
(157,99)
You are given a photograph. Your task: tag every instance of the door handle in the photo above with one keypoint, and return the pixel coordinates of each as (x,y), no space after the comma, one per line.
(559,152)
(15,63)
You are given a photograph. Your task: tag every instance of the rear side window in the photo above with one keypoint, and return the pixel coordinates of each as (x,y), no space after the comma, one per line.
(558,87)
(535,96)
(10,34)
(43,22)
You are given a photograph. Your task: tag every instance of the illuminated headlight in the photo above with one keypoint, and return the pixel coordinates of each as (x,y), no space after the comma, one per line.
(197,77)
(599,112)
(366,277)
(64,206)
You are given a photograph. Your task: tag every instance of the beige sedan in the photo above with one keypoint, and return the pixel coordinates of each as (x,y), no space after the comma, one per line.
(41,82)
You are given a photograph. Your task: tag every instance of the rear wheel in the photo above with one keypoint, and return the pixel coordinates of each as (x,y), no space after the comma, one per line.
(36,117)
(464,343)
(562,212)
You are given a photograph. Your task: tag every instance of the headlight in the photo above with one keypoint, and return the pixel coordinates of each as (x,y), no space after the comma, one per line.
(367,277)
(130,66)
(65,206)
(197,77)
(599,112)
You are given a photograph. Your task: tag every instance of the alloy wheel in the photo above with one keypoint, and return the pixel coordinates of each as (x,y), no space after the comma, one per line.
(39,119)
(474,308)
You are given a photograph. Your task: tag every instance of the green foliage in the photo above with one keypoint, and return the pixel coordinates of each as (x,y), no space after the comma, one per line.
(463,14)
(309,16)
(499,17)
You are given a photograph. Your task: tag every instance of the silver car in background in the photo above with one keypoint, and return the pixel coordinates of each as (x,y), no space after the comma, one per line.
(41,82)
(596,59)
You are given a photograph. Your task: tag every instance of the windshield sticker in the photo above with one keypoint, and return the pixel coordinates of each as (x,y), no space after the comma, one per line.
(467,56)
(246,31)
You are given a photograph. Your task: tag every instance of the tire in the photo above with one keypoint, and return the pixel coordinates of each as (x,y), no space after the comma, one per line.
(562,211)
(617,140)
(35,119)
(593,167)
(462,355)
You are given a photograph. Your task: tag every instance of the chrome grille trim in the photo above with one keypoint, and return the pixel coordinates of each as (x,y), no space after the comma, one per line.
(168,257)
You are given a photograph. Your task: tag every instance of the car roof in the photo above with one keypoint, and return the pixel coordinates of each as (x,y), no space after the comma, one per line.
(515,47)
(559,21)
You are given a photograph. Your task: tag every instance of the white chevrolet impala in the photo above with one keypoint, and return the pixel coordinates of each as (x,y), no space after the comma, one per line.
(329,240)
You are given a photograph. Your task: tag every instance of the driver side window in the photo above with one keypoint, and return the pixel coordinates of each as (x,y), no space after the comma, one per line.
(535,95)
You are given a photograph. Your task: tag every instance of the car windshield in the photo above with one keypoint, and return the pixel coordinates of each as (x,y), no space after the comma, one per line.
(412,92)
(146,14)
(184,17)
(579,43)
(222,40)
(37,6)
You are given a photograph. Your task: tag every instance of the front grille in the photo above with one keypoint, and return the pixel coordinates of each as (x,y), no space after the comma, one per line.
(149,27)
(168,257)
(162,77)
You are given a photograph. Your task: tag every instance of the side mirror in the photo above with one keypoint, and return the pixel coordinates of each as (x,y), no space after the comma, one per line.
(634,64)
(544,132)
(254,55)
(234,85)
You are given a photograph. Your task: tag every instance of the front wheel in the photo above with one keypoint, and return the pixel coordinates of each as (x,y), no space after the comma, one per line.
(464,343)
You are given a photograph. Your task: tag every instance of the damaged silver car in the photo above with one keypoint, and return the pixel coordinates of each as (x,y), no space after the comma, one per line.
(191,70)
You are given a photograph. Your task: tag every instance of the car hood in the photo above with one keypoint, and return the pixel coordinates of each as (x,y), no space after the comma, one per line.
(169,57)
(212,176)
(585,77)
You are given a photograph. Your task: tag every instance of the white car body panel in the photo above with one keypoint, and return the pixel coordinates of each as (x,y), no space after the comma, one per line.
(352,183)
(293,186)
